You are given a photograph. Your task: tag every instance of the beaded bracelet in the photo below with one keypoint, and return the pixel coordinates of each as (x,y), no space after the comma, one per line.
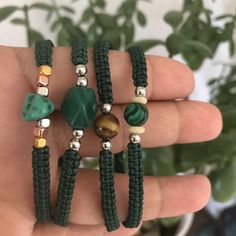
(106,127)
(37,107)
(136,114)
(79,109)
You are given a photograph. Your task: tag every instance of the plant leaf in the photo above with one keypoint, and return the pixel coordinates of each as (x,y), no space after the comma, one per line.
(7,11)
(41,6)
(34,36)
(100,3)
(67,9)
(18,21)
(175,43)
(128,32)
(141,18)
(173,18)
(202,48)
(86,15)
(224,182)
(148,43)
(107,21)
(231,47)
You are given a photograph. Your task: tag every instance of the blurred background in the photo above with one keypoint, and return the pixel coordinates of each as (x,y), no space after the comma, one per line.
(200,33)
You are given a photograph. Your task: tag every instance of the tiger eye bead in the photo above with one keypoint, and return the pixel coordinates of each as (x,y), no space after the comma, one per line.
(106,126)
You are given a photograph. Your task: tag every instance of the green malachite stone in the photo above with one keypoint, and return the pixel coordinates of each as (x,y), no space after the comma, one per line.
(36,107)
(136,114)
(79,107)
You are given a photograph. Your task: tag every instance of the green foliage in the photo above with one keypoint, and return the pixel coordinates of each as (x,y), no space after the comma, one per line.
(194,36)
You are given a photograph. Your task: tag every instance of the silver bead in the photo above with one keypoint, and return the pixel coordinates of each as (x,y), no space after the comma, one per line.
(106,107)
(74,144)
(45,123)
(81,70)
(141,92)
(78,133)
(82,81)
(134,138)
(107,145)
(43,91)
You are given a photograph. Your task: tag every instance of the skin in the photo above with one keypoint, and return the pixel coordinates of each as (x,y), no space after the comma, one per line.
(170,122)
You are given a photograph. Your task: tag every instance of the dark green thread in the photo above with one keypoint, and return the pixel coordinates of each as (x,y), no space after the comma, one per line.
(43,52)
(106,166)
(108,191)
(135,166)
(102,68)
(69,168)
(139,72)
(79,53)
(41,183)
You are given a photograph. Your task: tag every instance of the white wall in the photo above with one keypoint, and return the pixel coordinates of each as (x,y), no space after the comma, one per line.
(15,35)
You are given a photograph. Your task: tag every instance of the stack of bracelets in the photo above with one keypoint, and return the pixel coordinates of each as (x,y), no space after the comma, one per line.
(79,109)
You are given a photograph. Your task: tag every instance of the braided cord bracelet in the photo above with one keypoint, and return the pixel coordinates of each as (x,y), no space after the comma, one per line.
(106,127)
(37,107)
(79,110)
(136,114)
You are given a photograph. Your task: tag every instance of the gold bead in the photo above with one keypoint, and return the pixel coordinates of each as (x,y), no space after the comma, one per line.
(39,131)
(43,80)
(45,70)
(40,142)
(106,126)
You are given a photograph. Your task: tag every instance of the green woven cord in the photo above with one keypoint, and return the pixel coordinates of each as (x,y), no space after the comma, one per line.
(135,165)
(139,72)
(43,52)
(102,69)
(69,168)
(108,191)
(79,52)
(119,162)
(41,183)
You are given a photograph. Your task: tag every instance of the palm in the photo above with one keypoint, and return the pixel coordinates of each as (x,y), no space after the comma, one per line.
(18,75)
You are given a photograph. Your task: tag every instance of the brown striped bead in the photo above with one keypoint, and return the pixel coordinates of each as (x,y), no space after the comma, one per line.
(106,126)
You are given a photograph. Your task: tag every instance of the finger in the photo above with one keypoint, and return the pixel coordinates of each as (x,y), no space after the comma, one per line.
(163,197)
(168,79)
(75,230)
(168,123)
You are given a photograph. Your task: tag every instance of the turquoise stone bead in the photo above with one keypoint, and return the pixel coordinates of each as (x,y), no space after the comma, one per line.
(79,107)
(36,107)
(136,114)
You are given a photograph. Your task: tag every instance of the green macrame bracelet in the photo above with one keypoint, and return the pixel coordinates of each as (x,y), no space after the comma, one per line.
(43,52)
(69,167)
(41,183)
(37,107)
(79,110)
(106,126)
(102,67)
(136,114)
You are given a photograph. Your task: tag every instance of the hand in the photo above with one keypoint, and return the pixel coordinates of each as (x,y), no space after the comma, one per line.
(170,122)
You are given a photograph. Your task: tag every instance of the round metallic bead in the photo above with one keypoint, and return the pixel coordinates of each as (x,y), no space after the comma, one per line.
(81,70)
(82,81)
(140,91)
(74,144)
(45,123)
(106,107)
(106,145)
(134,138)
(78,133)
